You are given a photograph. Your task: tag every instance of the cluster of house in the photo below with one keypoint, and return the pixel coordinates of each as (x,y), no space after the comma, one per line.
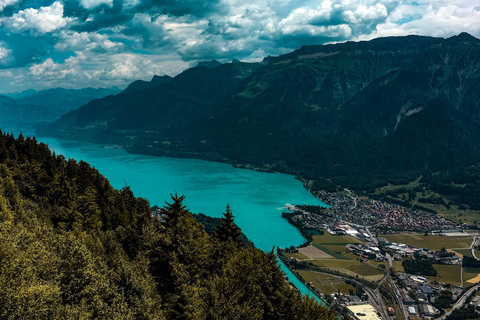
(366,251)
(402,250)
(382,217)
(417,298)
(399,218)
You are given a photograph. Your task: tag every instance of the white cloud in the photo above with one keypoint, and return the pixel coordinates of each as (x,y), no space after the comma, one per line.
(51,71)
(438,19)
(6,3)
(132,66)
(128,4)
(5,74)
(41,21)
(5,53)
(337,19)
(90,4)
(87,42)
(103,42)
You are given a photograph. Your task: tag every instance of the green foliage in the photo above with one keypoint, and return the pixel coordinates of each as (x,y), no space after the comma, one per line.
(470,262)
(419,267)
(444,299)
(228,230)
(72,247)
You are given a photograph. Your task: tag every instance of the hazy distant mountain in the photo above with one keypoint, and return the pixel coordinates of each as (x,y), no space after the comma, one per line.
(30,107)
(61,100)
(387,106)
(13,113)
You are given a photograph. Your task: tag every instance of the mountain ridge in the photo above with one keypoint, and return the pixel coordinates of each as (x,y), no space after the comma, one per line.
(371,108)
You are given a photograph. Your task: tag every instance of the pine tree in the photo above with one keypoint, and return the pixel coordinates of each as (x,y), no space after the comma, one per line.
(172,211)
(228,230)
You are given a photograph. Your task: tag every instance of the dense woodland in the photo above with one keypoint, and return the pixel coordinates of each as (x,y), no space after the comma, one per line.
(73,247)
(419,266)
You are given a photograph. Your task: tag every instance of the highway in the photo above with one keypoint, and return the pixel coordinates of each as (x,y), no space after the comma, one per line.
(460,301)
(473,246)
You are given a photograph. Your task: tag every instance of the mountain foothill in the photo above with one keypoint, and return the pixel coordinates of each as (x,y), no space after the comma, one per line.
(354,114)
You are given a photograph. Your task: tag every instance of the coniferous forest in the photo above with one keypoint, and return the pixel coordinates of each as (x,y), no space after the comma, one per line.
(73,247)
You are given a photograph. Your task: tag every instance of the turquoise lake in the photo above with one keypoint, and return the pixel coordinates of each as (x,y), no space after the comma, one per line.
(256,198)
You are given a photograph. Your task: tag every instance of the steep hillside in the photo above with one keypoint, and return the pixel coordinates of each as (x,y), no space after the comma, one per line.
(72,247)
(355,111)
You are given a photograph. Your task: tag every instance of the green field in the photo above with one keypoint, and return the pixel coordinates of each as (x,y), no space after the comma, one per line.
(457,215)
(298,255)
(352,268)
(333,250)
(464,252)
(327,284)
(453,213)
(342,261)
(472,274)
(397,266)
(433,242)
(327,238)
(447,274)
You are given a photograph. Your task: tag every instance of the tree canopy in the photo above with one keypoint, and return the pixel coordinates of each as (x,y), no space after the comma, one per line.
(71,246)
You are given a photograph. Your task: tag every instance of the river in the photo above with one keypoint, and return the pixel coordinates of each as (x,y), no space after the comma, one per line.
(256,198)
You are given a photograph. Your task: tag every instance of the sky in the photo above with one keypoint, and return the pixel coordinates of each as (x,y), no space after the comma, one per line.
(102,43)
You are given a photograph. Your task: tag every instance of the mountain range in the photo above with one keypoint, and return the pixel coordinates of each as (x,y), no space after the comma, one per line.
(30,107)
(355,111)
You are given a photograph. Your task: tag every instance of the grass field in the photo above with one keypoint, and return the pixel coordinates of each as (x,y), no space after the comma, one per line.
(447,274)
(453,213)
(299,255)
(327,284)
(457,215)
(327,238)
(352,268)
(471,275)
(463,252)
(337,258)
(433,242)
(333,251)
(397,266)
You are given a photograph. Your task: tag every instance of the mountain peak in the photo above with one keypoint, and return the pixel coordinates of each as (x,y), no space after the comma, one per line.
(209,64)
(464,37)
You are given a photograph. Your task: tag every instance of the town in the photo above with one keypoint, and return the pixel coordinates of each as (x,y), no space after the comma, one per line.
(377,260)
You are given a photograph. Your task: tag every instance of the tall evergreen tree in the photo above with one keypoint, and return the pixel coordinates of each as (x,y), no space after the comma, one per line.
(172,211)
(228,230)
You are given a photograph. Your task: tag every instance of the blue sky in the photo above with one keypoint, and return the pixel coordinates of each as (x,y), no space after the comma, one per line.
(100,43)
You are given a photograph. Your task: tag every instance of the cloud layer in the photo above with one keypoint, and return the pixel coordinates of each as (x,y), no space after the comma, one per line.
(79,43)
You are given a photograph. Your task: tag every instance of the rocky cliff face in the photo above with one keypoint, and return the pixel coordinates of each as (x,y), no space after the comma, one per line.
(386,106)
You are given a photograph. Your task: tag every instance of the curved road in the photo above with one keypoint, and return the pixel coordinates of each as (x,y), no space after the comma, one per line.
(460,301)
(473,245)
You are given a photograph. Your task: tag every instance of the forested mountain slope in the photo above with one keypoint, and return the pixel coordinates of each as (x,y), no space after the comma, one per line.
(397,106)
(72,247)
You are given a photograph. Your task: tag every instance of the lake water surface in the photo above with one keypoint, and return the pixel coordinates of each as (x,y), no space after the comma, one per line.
(256,198)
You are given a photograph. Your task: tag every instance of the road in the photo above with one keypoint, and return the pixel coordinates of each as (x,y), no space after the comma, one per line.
(374,296)
(370,234)
(473,246)
(460,301)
